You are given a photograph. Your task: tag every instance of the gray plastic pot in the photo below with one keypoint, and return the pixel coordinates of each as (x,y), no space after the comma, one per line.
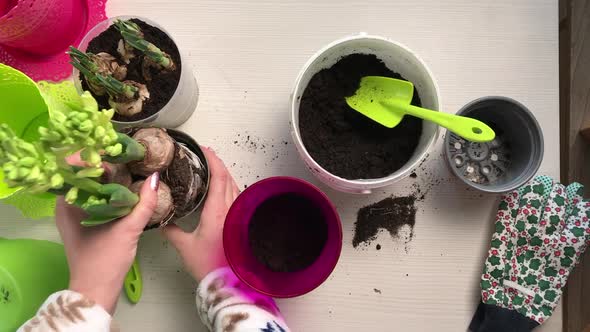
(509,161)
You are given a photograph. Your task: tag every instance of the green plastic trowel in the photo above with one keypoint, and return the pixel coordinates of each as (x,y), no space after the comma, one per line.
(386,100)
(133,283)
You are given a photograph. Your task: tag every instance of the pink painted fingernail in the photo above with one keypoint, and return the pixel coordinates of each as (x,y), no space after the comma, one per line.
(155,181)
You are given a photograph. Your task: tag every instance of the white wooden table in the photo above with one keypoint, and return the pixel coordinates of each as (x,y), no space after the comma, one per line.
(246,56)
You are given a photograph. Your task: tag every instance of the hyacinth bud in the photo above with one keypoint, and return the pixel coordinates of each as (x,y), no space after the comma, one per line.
(11,173)
(86,126)
(93,200)
(57,181)
(59,128)
(89,104)
(80,116)
(72,195)
(114,136)
(23,172)
(99,132)
(91,156)
(27,161)
(114,150)
(58,117)
(90,142)
(49,135)
(108,113)
(34,174)
(90,172)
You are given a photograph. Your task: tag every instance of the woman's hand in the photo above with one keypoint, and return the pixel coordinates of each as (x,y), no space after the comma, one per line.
(202,250)
(99,257)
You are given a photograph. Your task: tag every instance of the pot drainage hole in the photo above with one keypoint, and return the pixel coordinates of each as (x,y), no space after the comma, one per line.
(481,163)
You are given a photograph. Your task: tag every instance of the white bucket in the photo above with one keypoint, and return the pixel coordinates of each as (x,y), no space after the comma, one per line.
(399,59)
(183,102)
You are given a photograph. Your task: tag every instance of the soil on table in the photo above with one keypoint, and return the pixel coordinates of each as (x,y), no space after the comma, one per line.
(390,214)
(163,83)
(287,233)
(342,140)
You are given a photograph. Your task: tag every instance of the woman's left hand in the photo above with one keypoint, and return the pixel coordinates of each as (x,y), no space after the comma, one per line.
(99,257)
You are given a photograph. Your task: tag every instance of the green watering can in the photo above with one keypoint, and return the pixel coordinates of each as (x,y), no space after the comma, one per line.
(30,271)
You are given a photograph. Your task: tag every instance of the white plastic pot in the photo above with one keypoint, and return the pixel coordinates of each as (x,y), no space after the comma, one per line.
(399,59)
(184,100)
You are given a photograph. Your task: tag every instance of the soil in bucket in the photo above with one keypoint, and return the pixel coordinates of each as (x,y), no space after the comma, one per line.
(342,140)
(162,85)
(287,232)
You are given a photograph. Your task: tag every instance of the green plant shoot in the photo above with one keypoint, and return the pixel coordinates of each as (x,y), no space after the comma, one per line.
(85,64)
(133,35)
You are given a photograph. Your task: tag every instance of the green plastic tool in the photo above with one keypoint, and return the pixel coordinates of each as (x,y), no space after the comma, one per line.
(133,283)
(30,271)
(386,100)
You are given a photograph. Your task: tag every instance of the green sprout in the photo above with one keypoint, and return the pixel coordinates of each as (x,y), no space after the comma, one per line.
(116,88)
(41,166)
(100,79)
(133,36)
(126,97)
(84,59)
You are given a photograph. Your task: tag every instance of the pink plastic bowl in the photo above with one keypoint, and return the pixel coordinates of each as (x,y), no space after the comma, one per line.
(255,274)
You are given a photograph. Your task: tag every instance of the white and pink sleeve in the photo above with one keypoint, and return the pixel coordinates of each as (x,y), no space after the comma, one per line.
(226,304)
(68,311)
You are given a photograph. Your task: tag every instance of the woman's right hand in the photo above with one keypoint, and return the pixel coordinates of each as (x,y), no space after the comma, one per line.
(202,250)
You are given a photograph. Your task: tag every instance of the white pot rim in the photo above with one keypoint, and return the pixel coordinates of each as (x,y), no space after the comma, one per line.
(407,169)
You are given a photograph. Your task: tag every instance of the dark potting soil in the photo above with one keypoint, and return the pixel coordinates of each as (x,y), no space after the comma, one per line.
(287,233)
(390,214)
(163,84)
(342,140)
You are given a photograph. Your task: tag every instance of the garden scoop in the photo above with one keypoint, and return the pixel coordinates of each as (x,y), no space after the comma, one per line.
(386,100)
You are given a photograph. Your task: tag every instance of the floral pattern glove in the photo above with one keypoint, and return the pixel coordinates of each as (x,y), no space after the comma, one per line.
(541,231)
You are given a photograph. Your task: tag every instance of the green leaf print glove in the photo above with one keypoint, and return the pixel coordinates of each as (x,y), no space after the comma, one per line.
(541,231)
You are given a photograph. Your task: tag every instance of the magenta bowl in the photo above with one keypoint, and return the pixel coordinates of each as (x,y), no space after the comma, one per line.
(256,275)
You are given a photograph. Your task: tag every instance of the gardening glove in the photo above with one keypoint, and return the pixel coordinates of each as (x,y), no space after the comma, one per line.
(541,231)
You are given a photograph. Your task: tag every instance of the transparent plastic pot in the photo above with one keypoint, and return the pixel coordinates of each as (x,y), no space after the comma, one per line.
(399,59)
(184,100)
